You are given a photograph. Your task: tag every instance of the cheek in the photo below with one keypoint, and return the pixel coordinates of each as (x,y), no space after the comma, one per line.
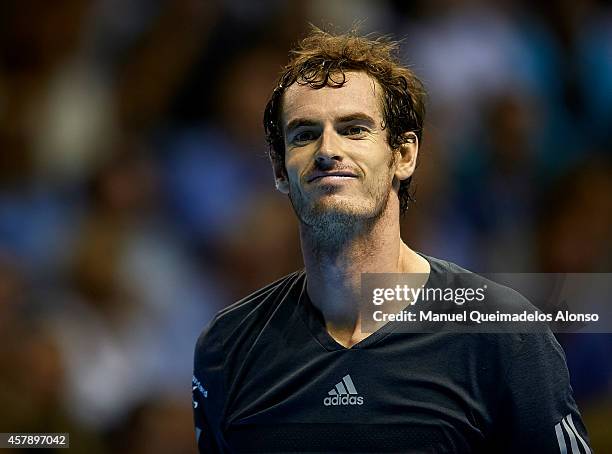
(380,166)
(294,165)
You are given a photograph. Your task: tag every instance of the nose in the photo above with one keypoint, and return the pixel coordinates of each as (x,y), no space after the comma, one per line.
(329,153)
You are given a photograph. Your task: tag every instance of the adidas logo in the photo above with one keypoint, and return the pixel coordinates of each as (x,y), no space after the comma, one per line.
(344,393)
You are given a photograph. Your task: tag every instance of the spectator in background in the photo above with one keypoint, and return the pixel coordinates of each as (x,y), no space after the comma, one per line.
(126,327)
(573,236)
(225,153)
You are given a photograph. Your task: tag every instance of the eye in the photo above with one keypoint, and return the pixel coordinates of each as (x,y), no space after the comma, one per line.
(355,131)
(304,136)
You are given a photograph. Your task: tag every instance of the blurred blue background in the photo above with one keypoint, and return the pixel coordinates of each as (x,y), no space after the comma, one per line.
(136,198)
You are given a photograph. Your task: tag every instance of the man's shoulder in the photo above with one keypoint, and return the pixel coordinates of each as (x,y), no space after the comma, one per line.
(497,296)
(504,299)
(249,311)
(259,299)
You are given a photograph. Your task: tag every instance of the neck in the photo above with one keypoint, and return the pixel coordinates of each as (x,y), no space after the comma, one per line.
(334,270)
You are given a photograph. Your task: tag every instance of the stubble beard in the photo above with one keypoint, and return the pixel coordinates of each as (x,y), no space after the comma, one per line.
(331,223)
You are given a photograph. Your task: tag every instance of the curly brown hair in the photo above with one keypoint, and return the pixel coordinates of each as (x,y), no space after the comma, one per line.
(321,59)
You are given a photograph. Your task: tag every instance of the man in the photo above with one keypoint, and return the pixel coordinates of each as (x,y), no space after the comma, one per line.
(289,368)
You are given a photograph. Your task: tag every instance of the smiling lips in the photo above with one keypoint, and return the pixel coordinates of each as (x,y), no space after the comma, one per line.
(320,174)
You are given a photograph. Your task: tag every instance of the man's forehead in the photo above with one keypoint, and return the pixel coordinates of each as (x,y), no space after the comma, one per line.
(360,93)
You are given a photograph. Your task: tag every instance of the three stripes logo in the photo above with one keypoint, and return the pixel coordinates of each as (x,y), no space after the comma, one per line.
(567,434)
(344,393)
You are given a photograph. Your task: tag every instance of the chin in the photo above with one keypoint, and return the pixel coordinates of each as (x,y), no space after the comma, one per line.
(342,210)
(337,208)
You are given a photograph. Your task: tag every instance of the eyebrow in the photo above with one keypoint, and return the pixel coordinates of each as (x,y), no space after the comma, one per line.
(358,116)
(298,122)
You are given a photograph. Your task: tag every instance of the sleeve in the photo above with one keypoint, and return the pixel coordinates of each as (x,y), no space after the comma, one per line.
(539,414)
(208,393)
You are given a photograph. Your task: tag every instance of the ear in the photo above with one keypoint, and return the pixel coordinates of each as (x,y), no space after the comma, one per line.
(280,176)
(409,150)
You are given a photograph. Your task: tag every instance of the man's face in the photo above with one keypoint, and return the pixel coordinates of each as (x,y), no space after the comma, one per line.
(339,165)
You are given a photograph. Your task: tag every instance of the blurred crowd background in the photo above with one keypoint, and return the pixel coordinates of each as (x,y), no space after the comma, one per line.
(136,197)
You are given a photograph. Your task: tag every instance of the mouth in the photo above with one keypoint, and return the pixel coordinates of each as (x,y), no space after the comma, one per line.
(331,176)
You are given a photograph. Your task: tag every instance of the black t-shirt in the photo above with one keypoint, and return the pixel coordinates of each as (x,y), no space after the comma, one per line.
(268,377)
